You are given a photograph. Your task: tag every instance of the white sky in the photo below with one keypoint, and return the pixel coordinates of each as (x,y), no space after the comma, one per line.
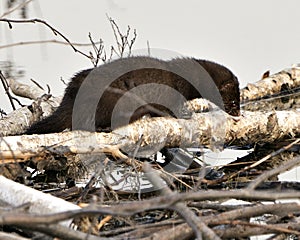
(249,37)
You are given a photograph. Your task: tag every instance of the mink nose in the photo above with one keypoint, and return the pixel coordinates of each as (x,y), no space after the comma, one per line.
(233,109)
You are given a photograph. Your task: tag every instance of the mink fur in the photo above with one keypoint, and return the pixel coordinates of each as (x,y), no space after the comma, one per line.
(144,70)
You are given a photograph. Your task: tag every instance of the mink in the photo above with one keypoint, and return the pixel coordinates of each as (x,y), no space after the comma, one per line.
(91,97)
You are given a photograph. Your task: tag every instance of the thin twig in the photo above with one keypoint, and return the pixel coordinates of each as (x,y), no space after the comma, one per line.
(46,41)
(55,31)
(273,154)
(262,177)
(122,40)
(6,88)
(199,227)
(264,226)
(98,51)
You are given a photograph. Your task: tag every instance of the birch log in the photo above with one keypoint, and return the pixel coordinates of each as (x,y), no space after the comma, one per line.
(252,98)
(277,83)
(19,120)
(16,194)
(252,127)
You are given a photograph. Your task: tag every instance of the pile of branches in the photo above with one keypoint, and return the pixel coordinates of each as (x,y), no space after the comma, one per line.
(52,187)
(158,204)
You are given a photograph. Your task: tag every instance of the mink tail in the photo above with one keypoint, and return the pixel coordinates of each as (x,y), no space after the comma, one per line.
(57,122)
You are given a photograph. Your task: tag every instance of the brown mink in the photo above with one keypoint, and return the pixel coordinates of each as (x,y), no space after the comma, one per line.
(91,97)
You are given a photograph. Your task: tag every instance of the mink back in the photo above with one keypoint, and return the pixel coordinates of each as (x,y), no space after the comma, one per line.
(162,73)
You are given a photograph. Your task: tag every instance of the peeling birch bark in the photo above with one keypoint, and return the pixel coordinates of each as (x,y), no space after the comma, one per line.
(252,127)
(16,194)
(272,85)
(25,90)
(17,121)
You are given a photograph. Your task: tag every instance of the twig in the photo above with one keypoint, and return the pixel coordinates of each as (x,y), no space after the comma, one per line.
(6,88)
(283,167)
(121,39)
(2,112)
(37,84)
(61,232)
(246,231)
(132,41)
(162,202)
(98,51)
(195,222)
(264,226)
(253,211)
(148,48)
(135,152)
(90,183)
(257,163)
(46,41)
(55,31)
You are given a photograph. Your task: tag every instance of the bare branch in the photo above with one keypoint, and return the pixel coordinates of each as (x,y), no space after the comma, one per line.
(55,31)
(196,223)
(6,88)
(285,166)
(46,41)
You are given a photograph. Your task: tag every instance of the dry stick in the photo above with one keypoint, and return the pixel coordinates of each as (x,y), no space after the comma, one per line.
(129,209)
(114,27)
(246,231)
(124,38)
(90,183)
(262,177)
(135,152)
(141,227)
(174,176)
(273,154)
(132,42)
(46,41)
(194,222)
(6,88)
(253,211)
(148,48)
(55,32)
(270,227)
(61,232)
(98,51)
